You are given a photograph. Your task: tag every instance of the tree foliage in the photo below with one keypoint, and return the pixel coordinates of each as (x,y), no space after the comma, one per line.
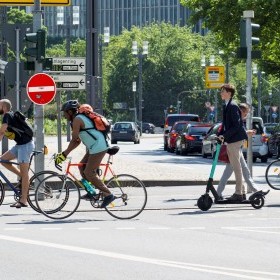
(173,65)
(223,18)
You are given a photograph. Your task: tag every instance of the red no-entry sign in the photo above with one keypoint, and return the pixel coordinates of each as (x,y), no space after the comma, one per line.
(41,89)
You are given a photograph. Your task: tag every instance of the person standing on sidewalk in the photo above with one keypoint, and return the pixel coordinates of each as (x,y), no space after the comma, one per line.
(22,150)
(234,134)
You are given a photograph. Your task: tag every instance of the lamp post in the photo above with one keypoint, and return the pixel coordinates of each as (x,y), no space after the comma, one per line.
(140,55)
(134,100)
(106,40)
(270,104)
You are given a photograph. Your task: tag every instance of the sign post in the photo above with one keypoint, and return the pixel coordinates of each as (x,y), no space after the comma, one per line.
(41,89)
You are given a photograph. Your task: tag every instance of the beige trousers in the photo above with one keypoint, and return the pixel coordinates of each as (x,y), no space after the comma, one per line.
(234,153)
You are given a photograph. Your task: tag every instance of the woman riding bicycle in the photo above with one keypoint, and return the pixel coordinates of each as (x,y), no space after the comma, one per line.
(84,131)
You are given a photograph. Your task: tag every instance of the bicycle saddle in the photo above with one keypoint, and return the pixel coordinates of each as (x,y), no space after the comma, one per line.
(113,150)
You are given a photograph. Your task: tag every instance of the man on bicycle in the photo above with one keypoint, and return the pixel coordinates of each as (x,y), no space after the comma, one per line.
(95,143)
(22,150)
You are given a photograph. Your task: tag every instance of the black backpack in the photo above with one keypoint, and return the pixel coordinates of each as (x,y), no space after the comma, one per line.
(20,125)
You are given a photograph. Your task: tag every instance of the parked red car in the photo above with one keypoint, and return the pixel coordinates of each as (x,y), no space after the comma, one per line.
(190,138)
(172,135)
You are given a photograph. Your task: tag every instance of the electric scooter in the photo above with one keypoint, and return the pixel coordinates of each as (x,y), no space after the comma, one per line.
(205,202)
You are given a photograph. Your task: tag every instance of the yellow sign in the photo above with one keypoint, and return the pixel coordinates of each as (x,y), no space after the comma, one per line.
(214,76)
(31,2)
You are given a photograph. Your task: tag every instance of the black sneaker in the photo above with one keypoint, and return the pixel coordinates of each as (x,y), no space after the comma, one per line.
(87,196)
(218,199)
(107,200)
(236,197)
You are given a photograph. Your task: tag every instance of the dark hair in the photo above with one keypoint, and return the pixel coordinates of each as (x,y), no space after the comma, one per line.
(229,88)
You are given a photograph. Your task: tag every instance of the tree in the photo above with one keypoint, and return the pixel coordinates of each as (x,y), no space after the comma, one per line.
(172,65)
(223,18)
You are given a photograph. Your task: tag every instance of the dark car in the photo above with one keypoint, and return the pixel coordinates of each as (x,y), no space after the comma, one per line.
(171,119)
(125,131)
(190,138)
(148,128)
(208,143)
(173,134)
(274,141)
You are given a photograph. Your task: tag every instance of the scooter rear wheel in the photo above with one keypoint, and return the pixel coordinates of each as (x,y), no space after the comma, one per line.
(257,201)
(205,202)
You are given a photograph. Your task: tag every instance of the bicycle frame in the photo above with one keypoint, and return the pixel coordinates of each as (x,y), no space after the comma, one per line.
(7,181)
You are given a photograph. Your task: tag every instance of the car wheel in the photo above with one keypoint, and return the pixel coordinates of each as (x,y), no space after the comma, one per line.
(203,153)
(254,159)
(264,159)
(278,151)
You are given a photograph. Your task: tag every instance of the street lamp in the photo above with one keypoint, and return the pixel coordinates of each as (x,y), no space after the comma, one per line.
(106,40)
(140,56)
(134,100)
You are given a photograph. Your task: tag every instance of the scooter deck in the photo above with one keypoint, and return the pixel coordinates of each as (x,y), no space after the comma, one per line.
(225,201)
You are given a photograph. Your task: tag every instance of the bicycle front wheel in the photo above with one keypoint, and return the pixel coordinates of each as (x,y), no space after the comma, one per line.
(130,196)
(34,182)
(272,175)
(57,197)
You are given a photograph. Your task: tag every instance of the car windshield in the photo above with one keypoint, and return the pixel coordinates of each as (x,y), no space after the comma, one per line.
(179,126)
(122,126)
(173,119)
(198,129)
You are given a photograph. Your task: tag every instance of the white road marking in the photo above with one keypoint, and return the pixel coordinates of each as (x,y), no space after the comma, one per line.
(166,263)
(14,229)
(191,228)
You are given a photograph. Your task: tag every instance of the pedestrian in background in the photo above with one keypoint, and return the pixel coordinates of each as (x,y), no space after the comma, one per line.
(251,186)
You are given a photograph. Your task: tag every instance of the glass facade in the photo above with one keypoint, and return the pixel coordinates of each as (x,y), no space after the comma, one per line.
(118,15)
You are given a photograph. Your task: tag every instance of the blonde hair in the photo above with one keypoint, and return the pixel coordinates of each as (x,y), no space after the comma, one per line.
(7,103)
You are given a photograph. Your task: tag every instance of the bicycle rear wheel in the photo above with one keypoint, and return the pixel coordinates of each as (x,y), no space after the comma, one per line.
(57,197)
(130,196)
(272,175)
(34,182)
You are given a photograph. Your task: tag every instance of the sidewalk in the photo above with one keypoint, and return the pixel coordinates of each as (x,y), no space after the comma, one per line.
(155,172)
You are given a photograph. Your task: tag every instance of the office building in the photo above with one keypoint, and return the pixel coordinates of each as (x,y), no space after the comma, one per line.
(117,14)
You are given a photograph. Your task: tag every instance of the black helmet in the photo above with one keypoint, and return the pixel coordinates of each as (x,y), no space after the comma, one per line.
(70,104)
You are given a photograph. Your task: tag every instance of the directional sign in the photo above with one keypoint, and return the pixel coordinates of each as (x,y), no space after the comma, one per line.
(41,89)
(31,2)
(70,82)
(214,76)
(274,115)
(68,65)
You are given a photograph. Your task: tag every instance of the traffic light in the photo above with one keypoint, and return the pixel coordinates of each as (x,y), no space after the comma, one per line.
(171,110)
(242,51)
(36,45)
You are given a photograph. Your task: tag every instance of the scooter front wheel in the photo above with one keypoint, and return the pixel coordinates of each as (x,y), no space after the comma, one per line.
(257,201)
(205,202)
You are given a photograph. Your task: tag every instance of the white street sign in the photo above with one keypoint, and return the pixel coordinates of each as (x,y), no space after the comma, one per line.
(68,65)
(70,82)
